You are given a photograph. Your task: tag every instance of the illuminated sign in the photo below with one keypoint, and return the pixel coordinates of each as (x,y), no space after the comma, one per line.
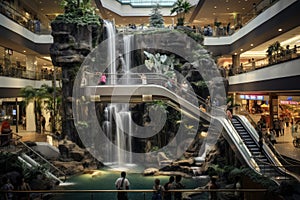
(252,97)
(289,102)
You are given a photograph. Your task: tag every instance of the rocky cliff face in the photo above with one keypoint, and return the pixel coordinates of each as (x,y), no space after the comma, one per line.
(72,43)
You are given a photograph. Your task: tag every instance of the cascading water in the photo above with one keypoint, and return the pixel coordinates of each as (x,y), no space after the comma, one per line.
(119,113)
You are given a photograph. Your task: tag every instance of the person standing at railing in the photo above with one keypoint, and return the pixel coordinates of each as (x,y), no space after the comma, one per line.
(8,187)
(102,79)
(169,186)
(158,190)
(144,79)
(122,183)
(177,186)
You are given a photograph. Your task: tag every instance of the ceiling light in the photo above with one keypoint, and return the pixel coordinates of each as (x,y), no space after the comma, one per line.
(215,7)
(242,49)
(24,51)
(280,29)
(227,8)
(251,45)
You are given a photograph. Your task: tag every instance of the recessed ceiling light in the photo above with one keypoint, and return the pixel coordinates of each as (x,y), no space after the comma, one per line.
(235,53)
(251,45)
(242,49)
(214,13)
(243,8)
(215,7)
(24,51)
(227,8)
(280,29)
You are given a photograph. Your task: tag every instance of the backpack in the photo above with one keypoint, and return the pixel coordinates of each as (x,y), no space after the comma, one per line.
(157,194)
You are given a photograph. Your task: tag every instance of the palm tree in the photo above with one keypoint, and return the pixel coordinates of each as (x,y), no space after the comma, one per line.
(181,7)
(38,95)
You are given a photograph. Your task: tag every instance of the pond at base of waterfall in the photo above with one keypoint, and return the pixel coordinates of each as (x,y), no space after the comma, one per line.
(105,180)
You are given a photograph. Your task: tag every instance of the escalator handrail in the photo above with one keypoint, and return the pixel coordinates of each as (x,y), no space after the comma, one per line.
(270,154)
(238,142)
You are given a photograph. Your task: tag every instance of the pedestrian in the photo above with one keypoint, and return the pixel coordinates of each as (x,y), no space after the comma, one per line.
(24,122)
(144,79)
(229,114)
(238,185)
(43,122)
(158,190)
(7,186)
(212,185)
(22,186)
(169,186)
(122,183)
(177,186)
(102,80)
(281,122)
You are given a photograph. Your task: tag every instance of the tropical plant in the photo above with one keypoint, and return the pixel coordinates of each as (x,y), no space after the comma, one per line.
(162,64)
(40,95)
(156,18)
(78,12)
(274,51)
(181,7)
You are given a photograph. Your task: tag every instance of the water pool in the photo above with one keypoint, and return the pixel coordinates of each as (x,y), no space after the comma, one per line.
(104,180)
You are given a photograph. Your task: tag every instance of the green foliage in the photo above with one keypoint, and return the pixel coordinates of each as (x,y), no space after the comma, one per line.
(156,18)
(257,178)
(181,7)
(79,12)
(162,64)
(9,162)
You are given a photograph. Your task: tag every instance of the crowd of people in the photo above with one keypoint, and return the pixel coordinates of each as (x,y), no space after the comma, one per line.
(159,191)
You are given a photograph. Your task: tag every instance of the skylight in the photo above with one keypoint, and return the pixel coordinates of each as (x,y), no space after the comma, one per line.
(148,3)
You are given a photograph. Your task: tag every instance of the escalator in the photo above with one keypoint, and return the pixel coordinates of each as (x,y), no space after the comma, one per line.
(268,164)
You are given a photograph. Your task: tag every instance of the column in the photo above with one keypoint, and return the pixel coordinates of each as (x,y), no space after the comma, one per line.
(30,117)
(235,63)
(31,66)
(273,106)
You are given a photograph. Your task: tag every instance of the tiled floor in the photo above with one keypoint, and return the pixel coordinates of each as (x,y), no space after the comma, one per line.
(285,145)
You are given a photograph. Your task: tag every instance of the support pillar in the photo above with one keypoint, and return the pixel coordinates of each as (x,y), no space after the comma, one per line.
(273,106)
(235,63)
(30,117)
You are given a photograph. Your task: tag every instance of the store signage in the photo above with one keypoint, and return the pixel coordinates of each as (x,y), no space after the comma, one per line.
(252,97)
(289,102)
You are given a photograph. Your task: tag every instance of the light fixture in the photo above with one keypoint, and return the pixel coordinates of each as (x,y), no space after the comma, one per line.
(215,7)
(242,49)
(251,45)
(280,29)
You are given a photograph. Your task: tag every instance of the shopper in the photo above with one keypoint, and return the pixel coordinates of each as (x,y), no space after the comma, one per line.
(177,186)
(169,186)
(122,183)
(158,190)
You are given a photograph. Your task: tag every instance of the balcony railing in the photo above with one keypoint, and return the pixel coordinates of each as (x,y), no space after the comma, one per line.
(18,72)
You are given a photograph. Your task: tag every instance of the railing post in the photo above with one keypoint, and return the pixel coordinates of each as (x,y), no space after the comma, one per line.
(144,195)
